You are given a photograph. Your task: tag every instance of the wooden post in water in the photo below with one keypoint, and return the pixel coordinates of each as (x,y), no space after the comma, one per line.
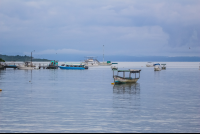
(124,74)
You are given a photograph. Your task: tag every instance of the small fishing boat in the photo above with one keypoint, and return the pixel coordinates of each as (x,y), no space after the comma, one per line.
(157,67)
(10,65)
(76,66)
(119,79)
(114,66)
(163,66)
(91,61)
(26,66)
(108,63)
(53,65)
(149,64)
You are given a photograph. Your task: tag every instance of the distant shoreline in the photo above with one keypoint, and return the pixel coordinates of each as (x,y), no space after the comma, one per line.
(19,58)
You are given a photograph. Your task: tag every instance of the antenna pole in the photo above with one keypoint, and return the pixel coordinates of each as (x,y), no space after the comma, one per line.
(103,53)
(31,59)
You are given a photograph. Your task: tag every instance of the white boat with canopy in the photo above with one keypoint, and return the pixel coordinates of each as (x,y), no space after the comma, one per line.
(26,66)
(149,64)
(157,67)
(91,61)
(119,79)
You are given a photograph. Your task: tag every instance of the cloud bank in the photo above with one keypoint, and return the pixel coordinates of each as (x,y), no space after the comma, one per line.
(124,27)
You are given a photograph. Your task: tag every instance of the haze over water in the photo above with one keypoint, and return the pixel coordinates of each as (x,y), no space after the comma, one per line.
(85,101)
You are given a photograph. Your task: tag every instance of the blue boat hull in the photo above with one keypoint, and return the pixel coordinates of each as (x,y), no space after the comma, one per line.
(75,68)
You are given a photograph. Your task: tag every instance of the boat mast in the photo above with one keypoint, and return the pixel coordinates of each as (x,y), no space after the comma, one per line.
(31,57)
(103,53)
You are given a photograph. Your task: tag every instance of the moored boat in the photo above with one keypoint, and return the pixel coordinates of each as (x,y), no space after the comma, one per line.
(157,67)
(114,66)
(76,66)
(149,64)
(108,63)
(26,66)
(90,61)
(119,79)
(163,66)
(53,65)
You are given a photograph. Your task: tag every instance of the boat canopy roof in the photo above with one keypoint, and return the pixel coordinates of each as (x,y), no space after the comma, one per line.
(54,62)
(157,64)
(130,70)
(75,63)
(163,64)
(114,63)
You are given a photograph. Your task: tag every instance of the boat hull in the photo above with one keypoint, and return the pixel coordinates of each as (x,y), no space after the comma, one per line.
(118,79)
(26,68)
(157,69)
(149,65)
(11,66)
(91,65)
(52,67)
(105,64)
(75,68)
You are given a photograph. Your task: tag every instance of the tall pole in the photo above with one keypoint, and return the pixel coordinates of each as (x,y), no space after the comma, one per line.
(103,53)
(31,59)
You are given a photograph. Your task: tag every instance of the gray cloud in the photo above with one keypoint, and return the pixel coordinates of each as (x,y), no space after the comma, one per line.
(164,27)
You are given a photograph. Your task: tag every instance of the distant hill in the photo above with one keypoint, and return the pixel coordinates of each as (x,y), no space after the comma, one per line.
(20,58)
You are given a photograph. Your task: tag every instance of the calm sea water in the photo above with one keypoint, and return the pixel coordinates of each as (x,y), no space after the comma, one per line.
(85,101)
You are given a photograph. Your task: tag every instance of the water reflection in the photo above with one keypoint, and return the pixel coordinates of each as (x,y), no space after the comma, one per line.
(128,88)
(126,96)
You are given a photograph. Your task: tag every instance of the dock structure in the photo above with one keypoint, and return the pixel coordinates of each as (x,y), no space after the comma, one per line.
(119,79)
(10,65)
(14,65)
(43,65)
(1,67)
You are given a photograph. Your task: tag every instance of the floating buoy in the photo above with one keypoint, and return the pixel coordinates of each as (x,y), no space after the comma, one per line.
(0,89)
(112,83)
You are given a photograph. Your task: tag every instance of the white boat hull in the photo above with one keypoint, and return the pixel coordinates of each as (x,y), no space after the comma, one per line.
(157,69)
(124,80)
(105,64)
(26,68)
(91,64)
(149,65)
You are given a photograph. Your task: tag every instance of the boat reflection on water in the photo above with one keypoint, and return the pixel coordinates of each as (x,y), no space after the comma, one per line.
(126,88)
(126,96)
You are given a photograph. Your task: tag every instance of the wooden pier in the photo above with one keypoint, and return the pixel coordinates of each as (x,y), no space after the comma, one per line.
(43,65)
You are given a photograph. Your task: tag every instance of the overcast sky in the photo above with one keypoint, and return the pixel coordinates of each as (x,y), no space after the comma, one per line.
(82,27)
